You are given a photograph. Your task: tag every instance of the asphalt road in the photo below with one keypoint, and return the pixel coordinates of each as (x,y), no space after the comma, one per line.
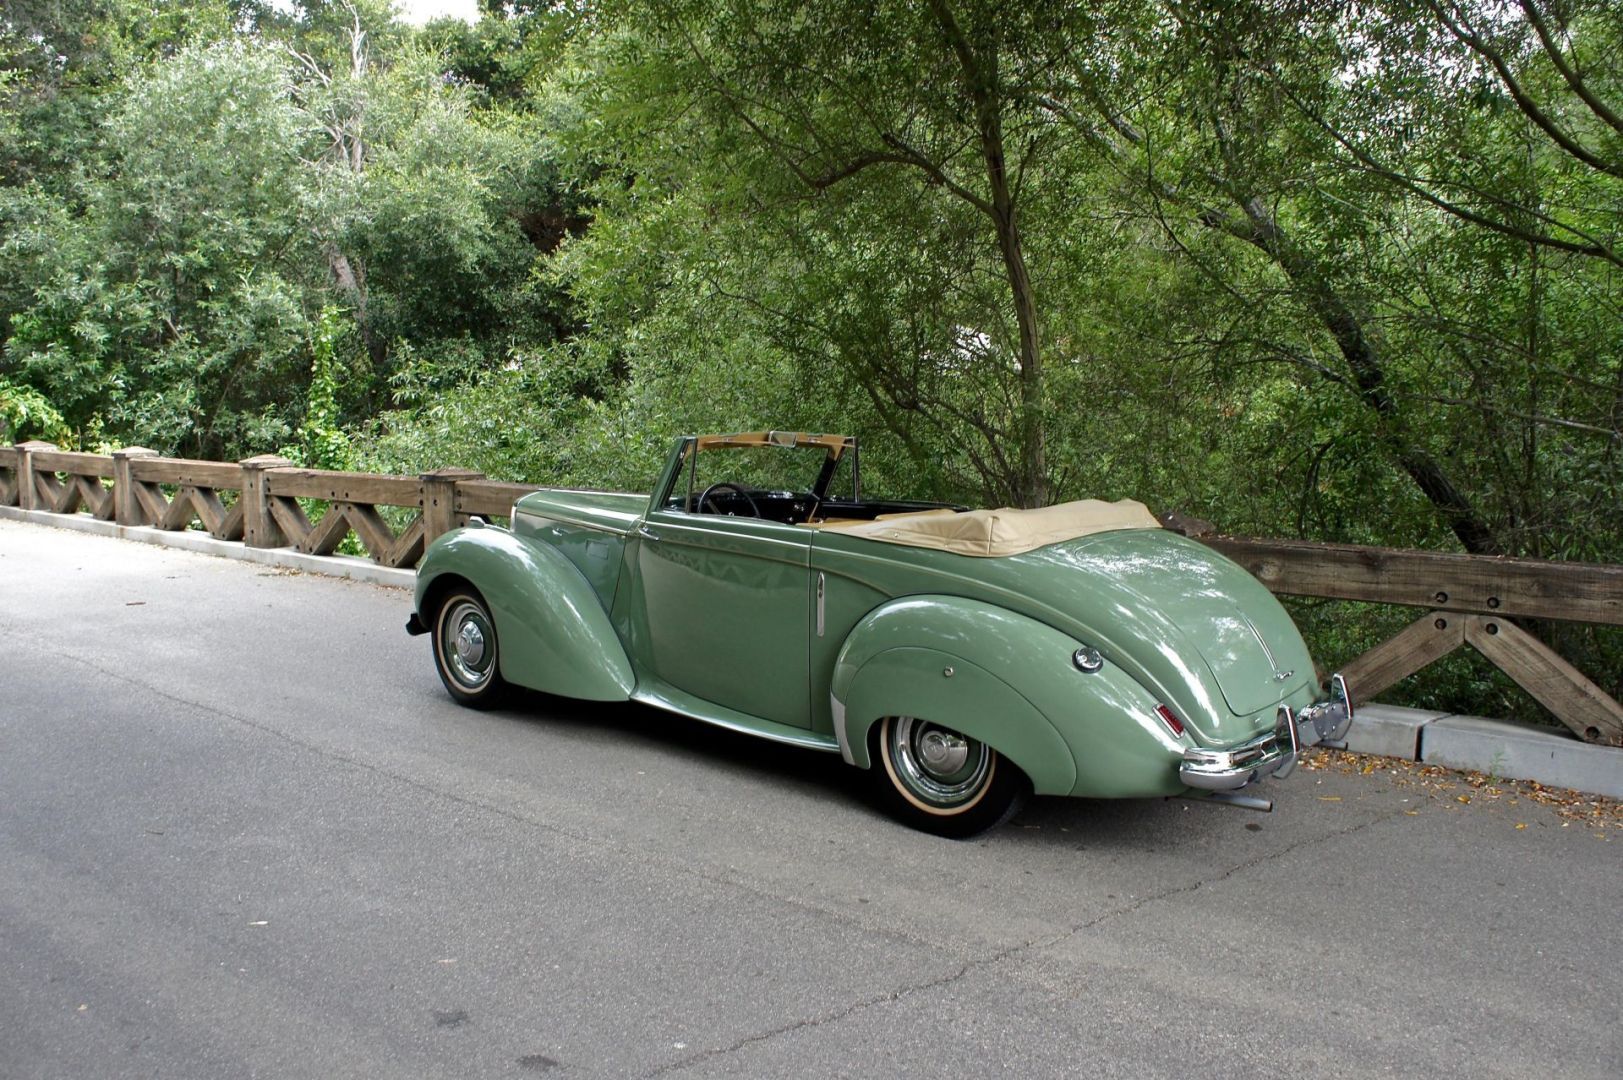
(243,832)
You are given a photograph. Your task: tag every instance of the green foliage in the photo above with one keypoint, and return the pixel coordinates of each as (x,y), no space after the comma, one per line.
(165,285)
(322,442)
(168,306)
(25,414)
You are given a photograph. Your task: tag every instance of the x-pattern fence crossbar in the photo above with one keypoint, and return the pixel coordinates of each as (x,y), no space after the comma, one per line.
(1469,600)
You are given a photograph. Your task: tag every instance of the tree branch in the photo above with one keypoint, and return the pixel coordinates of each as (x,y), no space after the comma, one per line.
(908,155)
(1523,100)
(1589,246)
(1573,80)
(1533,418)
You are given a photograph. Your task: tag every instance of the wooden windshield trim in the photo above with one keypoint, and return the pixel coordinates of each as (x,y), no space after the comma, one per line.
(836,445)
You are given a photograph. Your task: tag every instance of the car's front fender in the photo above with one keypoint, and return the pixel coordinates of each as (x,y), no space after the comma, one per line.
(552,631)
(1014,686)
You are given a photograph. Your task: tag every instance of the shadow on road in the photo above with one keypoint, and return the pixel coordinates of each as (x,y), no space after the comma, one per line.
(1045,821)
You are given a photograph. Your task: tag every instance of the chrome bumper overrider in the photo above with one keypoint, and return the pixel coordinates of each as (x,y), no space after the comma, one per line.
(1273,754)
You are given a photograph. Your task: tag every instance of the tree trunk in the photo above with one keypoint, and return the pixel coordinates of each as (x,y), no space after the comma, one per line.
(352,284)
(1033,461)
(1363,357)
(980,74)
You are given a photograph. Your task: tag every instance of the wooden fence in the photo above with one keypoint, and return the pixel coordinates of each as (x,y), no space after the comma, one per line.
(256,501)
(1469,600)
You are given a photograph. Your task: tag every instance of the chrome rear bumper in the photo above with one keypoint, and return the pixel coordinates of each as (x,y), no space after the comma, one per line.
(1272,754)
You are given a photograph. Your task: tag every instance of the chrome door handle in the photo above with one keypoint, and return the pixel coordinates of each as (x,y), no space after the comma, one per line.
(647,534)
(822,587)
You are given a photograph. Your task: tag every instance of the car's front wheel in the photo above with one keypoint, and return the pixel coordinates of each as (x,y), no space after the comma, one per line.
(465,650)
(935,779)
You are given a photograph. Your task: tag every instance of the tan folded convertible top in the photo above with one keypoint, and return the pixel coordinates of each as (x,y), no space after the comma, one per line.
(991,533)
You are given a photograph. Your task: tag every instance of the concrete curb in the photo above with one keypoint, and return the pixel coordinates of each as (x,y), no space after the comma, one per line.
(343,566)
(1487,746)
(1458,742)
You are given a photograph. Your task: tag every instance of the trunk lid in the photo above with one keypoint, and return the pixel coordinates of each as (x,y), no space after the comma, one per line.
(1156,601)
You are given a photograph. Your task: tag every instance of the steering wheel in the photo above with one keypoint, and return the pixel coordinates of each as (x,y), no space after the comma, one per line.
(728,485)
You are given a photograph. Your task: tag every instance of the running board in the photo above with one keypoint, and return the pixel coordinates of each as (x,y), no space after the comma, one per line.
(665,696)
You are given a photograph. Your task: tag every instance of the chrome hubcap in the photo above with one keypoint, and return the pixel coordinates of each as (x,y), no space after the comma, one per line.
(470,643)
(938,765)
(943,752)
(467,645)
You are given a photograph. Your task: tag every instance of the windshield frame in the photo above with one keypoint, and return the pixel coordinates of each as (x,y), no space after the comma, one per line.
(835,448)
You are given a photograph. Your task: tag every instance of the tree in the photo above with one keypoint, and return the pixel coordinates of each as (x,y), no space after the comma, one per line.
(169,309)
(786,107)
(1232,137)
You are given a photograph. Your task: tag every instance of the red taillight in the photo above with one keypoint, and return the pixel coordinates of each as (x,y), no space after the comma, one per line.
(1170,718)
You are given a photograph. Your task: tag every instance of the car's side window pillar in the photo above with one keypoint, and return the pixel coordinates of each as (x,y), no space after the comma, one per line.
(693,477)
(678,495)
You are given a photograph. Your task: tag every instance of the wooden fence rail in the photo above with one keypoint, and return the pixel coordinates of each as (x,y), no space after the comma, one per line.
(265,501)
(1470,600)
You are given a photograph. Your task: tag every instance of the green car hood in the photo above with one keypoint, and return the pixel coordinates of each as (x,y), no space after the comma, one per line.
(1191,625)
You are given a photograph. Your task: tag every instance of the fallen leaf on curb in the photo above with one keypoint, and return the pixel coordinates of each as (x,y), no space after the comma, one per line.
(1594,811)
(1521,824)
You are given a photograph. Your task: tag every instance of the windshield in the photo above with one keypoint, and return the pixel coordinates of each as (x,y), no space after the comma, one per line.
(774,461)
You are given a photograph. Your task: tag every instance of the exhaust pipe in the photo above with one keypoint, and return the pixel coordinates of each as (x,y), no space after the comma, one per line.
(1231,798)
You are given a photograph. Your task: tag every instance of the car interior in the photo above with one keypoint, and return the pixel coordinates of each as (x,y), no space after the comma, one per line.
(792,478)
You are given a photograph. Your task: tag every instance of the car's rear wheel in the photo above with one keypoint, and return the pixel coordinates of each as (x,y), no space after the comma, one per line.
(935,779)
(466,651)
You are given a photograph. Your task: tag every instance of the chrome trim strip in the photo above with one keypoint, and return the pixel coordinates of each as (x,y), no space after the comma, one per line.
(1266,651)
(541,521)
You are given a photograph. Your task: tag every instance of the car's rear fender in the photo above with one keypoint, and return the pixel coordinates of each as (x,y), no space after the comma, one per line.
(552,631)
(972,701)
(1013,685)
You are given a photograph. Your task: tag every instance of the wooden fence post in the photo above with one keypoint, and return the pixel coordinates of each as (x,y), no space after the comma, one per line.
(259,528)
(126,506)
(439,500)
(27,494)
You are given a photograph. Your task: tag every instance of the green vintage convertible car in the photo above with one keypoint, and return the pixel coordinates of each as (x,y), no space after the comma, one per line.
(964,658)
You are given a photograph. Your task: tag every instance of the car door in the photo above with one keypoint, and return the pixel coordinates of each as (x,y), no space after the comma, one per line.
(721,609)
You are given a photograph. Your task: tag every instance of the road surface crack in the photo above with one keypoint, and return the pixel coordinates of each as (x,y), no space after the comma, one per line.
(834,1017)
(998,957)
(1199,883)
